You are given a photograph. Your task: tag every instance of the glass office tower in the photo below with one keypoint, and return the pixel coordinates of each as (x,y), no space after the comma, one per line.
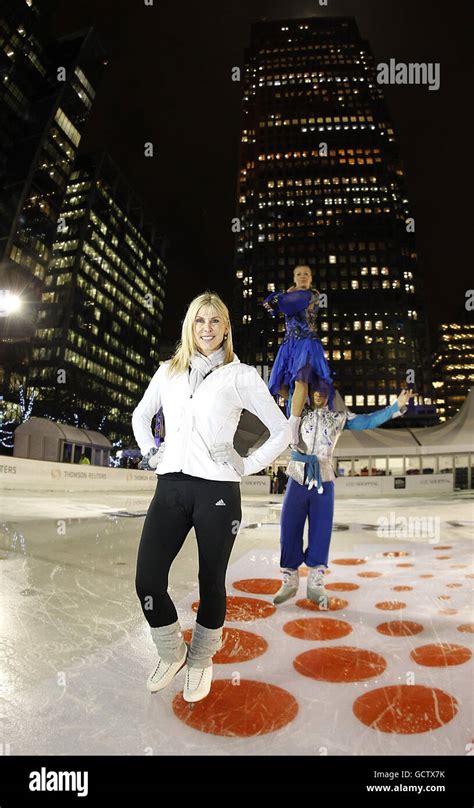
(321,183)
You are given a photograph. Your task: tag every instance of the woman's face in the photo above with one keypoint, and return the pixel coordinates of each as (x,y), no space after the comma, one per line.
(209,329)
(302,277)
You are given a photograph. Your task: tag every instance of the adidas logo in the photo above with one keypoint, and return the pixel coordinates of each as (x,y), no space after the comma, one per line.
(221,502)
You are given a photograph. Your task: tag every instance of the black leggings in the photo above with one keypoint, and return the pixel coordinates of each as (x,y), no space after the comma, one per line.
(178,505)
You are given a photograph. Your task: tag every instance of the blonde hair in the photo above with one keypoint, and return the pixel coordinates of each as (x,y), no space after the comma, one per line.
(181,358)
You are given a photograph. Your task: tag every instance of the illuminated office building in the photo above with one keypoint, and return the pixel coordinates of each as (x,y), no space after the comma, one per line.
(453,366)
(102,305)
(321,183)
(47,89)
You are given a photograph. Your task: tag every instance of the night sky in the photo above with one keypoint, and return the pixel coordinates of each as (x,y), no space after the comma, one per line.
(168,81)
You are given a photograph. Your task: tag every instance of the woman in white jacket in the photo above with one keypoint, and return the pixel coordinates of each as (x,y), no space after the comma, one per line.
(202,391)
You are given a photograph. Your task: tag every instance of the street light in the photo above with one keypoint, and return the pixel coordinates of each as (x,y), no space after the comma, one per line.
(9,303)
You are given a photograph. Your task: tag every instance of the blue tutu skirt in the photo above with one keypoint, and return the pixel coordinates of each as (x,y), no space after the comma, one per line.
(299,359)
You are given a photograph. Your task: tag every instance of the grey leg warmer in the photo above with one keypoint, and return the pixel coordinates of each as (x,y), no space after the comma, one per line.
(205,643)
(169,641)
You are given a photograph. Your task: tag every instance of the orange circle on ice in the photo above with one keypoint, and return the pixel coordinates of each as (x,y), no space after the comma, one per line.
(447,611)
(402,588)
(400,628)
(334,605)
(341,663)
(317,628)
(258,586)
(405,709)
(404,565)
(369,574)
(444,547)
(390,605)
(349,561)
(341,587)
(244,609)
(427,576)
(442,558)
(467,627)
(238,710)
(396,553)
(453,586)
(237,646)
(441,655)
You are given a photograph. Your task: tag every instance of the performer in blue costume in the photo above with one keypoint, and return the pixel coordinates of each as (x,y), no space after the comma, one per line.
(310,490)
(300,361)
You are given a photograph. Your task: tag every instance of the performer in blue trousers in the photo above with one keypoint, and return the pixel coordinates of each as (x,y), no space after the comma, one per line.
(310,490)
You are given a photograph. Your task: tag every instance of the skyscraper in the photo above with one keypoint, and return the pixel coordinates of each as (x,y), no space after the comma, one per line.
(453,364)
(321,183)
(100,315)
(46,93)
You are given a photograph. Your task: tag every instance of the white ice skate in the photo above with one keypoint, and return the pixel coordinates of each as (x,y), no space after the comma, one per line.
(197,684)
(164,673)
(315,589)
(289,586)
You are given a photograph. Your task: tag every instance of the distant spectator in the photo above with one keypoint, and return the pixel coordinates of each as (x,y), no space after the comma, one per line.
(281,479)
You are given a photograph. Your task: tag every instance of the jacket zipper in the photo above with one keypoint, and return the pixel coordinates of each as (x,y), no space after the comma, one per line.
(204,377)
(193,422)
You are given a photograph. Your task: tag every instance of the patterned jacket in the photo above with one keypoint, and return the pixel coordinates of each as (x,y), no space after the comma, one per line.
(319,432)
(300,309)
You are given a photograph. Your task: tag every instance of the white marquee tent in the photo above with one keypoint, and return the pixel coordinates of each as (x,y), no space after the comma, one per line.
(43,439)
(446,448)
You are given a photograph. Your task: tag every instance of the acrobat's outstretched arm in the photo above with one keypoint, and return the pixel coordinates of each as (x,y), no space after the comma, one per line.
(374,419)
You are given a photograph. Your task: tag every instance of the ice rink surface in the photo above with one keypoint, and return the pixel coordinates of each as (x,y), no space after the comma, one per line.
(386,671)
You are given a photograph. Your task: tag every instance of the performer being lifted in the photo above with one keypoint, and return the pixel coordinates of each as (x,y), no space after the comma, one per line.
(300,360)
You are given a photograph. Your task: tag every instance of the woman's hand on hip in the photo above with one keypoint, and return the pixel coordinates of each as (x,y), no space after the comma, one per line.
(225,453)
(153,457)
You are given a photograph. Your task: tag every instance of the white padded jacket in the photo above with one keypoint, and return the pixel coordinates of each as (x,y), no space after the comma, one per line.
(195,423)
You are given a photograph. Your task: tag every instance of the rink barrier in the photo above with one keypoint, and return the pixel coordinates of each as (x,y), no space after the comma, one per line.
(17,473)
(396,485)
